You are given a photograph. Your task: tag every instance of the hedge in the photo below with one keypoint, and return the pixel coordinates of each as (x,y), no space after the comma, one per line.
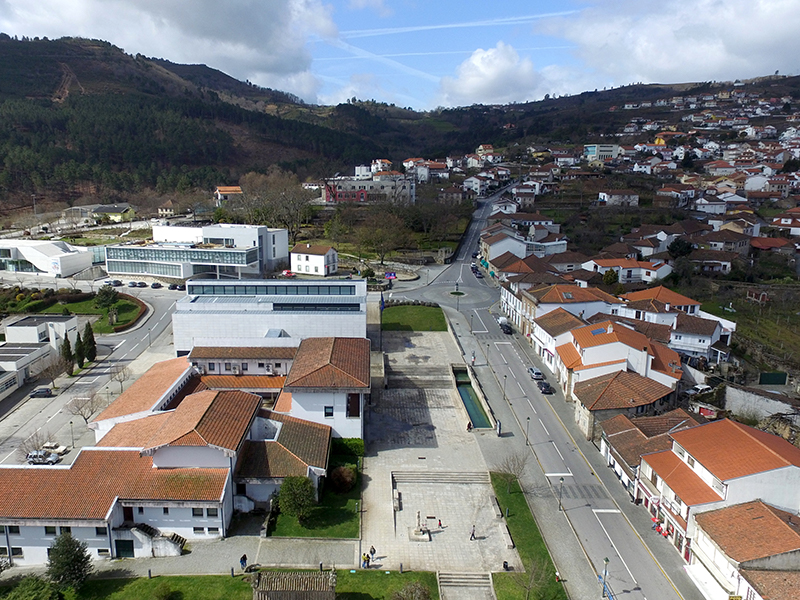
(347,446)
(44,303)
(142,309)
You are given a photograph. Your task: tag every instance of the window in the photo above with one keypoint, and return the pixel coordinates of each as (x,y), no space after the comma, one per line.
(227,366)
(212,512)
(241,489)
(354,405)
(3,551)
(140,510)
(166,510)
(197,512)
(65,529)
(260,365)
(328,411)
(690,461)
(211,366)
(13,529)
(17,552)
(49,529)
(213,530)
(244,366)
(103,552)
(277,365)
(101,531)
(306,257)
(198,529)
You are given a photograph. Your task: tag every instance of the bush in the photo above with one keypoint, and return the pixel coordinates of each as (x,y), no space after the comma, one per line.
(40,305)
(35,296)
(20,297)
(297,497)
(343,479)
(367,273)
(347,446)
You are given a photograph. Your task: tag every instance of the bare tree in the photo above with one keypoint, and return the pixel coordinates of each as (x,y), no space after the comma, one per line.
(87,405)
(52,368)
(512,467)
(534,579)
(33,442)
(120,373)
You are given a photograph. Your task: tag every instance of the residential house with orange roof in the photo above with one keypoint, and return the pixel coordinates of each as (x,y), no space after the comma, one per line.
(630,271)
(712,466)
(750,550)
(314,259)
(667,297)
(552,330)
(223,193)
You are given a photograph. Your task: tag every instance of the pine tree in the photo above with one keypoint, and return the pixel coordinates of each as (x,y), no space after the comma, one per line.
(89,345)
(69,563)
(68,356)
(80,351)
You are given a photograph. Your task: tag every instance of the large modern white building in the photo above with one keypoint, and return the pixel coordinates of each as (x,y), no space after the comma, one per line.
(55,258)
(258,313)
(221,250)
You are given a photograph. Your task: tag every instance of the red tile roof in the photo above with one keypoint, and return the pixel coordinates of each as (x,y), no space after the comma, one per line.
(243,382)
(242,352)
(663,294)
(609,333)
(619,390)
(730,450)
(89,487)
(558,321)
(317,250)
(774,585)
(680,478)
(331,363)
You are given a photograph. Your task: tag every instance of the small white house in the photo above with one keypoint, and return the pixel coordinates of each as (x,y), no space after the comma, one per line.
(311,259)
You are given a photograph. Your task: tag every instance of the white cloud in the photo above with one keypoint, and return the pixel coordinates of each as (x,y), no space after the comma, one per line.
(379,6)
(260,40)
(497,75)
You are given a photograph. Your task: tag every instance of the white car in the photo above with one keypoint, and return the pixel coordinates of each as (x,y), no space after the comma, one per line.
(55,448)
(42,457)
(700,388)
(535,374)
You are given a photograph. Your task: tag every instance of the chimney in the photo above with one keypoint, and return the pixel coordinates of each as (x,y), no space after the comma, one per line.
(308,245)
(610,328)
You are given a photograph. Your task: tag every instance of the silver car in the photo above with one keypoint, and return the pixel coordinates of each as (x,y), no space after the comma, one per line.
(41,457)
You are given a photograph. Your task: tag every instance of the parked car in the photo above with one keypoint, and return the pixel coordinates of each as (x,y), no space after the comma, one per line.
(544,387)
(132,284)
(55,448)
(155,285)
(700,388)
(506,328)
(42,393)
(141,284)
(116,282)
(181,287)
(287,273)
(475,254)
(107,282)
(42,457)
(535,374)
(478,275)
(173,286)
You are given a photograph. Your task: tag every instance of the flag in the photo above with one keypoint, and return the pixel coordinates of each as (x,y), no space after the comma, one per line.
(383,304)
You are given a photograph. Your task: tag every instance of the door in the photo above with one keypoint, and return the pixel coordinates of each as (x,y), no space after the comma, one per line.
(124,548)
(127,513)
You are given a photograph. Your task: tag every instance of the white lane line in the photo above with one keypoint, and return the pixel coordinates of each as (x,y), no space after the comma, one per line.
(502,343)
(567,474)
(531,405)
(482,323)
(512,373)
(504,359)
(558,451)
(545,428)
(118,345)
(7,456)
(136,346)
(613,511)
(520,387)
(52,417)
(624,564)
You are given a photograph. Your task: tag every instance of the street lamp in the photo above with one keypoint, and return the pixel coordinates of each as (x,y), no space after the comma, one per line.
(72,434)
(605,575)
(487,355)
(149,339)
(470,321)
(527,425)
(560,489)
(504,387)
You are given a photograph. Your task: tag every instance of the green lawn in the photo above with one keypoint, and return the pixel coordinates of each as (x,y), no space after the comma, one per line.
(530,545)
(126,311)
(335,517)
(413,318)
(380,585)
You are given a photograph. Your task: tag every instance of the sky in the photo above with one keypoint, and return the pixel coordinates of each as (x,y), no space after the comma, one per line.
(425,54)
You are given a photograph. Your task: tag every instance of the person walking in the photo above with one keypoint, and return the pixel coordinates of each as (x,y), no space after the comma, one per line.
(472,534)
(243,561)
(367,559)
(372,553)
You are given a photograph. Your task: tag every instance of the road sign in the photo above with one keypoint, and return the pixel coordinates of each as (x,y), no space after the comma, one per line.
(388,275)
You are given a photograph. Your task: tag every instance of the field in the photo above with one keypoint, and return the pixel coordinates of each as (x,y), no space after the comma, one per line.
(413,318)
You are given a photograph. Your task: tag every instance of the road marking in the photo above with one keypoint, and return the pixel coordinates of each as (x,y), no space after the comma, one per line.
(485,330)
(557,450)
(545,429)
(520,387)
(624,564)
(118,345)
(606,510)
(531,405)
(567,474)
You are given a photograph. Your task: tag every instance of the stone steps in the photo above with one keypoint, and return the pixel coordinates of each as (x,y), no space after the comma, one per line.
(447,477)
(464,580)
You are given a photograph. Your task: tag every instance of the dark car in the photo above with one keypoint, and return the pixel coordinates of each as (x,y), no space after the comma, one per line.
(506,328)
(475,254)
(478,275)
(42,393)
(544,387)
(155,285)
(181,287)
(172,286)
(116,283)
(141,284)
(132,284)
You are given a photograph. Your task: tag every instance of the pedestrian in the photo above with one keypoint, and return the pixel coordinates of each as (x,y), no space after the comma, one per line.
(440,524)
(243,561)
(364,561)
(372,553)
(469,425)
(367,559)
(472,534)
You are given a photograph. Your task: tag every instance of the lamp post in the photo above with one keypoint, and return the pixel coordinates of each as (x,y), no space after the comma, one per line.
(505,377)
(470,321)
(72,434)
(560,489)
(149,339)
(487,355)
(527,425)
(605,575)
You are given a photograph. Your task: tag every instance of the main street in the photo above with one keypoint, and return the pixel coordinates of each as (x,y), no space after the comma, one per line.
(604,532)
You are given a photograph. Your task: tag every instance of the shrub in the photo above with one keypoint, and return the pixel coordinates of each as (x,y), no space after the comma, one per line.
(347,446)
(343,479)
(35,296)
(20,297)
(367,273)
(297,497)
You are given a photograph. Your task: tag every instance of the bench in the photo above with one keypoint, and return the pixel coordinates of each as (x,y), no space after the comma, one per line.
(498,512)
(396,500)
(506,535)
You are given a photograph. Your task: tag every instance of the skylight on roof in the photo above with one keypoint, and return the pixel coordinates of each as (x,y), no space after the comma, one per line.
(568,295)
(598,331)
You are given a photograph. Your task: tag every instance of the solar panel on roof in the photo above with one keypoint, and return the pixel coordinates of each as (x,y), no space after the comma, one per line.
(598,331)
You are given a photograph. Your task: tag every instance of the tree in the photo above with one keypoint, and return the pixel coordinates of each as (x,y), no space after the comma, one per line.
(511,468)
(535,578)
(69,563)
(382,234)
(120,373)
(32,443)
(89,345)
(680,246)
(106,297)
(34,588)
(297,497)
(87,405)
(80,353)
(412,591)
(53,367)
(68,356)
(610,277)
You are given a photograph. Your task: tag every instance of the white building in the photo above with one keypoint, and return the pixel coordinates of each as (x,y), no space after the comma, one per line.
(267,312)
(314,260)
(222,250)
(53,258)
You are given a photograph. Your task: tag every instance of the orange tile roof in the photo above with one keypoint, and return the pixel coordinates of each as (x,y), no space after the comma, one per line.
(89,487)
(680,478)
(619,361)
(145,391)
(663,294)
(665,360)
(751,530)
(209,418)
(620,390)
(242,352)
(558,321)
(564,293)
(229,189)
(608,332)
(569,355)
(331,363)
(774,585)
(730,450)
(284,402)
(317,250)
(244,382)
(134,434)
